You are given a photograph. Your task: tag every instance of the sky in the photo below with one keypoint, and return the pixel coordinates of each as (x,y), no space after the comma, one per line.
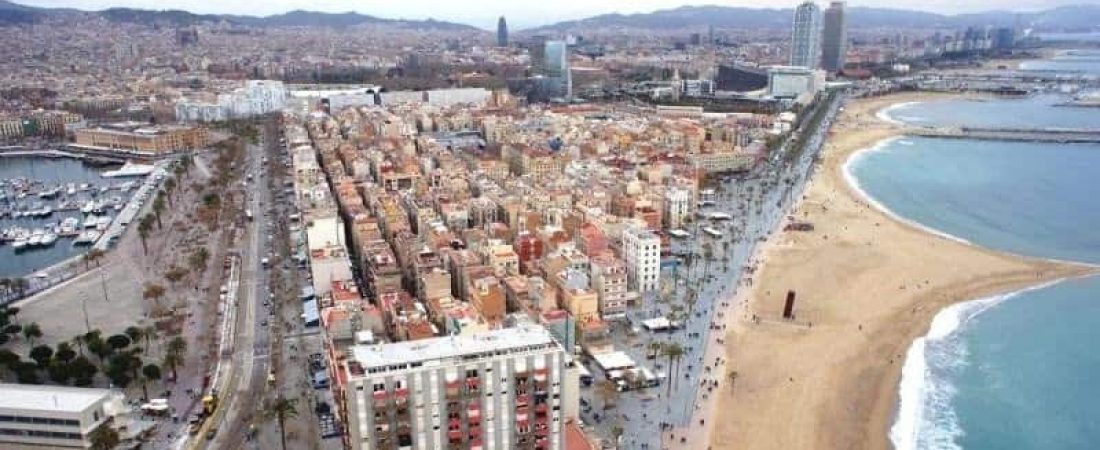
(519,13)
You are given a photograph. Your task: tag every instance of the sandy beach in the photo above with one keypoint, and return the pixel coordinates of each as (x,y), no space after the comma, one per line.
(867,286)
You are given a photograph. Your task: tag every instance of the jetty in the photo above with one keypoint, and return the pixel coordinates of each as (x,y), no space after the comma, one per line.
(1054,135)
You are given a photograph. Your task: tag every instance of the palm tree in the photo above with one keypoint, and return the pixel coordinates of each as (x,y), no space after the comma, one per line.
(144,227)
(153,292)
(158,207)
(173,355)
(151,372)
(280,409)
(104,438)
(170,186)
(134,333)
(733,379)
(673,352)
(31,332)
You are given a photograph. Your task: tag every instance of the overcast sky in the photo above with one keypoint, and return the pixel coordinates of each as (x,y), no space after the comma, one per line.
(520,13)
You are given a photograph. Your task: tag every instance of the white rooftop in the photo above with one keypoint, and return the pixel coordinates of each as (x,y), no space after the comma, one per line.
(613,360)
(450,346)
(49,398)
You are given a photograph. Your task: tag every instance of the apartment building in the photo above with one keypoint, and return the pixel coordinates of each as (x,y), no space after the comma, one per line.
(501,389)
(641,251)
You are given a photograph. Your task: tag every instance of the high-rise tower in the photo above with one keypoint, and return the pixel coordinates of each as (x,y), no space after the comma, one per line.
(806,36)
(834,38)
(502,32)
(557,67)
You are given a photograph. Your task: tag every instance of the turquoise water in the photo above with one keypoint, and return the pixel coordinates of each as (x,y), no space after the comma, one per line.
(1017,371)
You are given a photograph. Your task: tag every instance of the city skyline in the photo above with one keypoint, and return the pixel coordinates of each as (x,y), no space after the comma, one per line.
(531,15)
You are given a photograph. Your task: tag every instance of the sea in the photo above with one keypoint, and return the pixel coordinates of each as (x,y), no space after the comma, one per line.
(1014,371)
(46,172)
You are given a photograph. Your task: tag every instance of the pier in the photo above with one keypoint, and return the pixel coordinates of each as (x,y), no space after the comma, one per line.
(97,155)
(1054,135)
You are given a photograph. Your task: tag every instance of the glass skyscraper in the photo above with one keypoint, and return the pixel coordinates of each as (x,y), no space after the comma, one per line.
(806,36)
(834,38)
(557,67)
(502,32)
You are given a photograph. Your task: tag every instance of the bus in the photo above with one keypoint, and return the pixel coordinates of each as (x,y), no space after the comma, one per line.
(712,232)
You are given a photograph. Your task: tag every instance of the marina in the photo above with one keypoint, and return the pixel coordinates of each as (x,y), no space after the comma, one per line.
(55,208)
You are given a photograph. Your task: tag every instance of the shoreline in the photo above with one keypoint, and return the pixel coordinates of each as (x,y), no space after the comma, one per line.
(847,366)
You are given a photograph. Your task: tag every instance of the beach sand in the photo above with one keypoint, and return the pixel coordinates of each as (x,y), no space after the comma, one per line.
(867,286)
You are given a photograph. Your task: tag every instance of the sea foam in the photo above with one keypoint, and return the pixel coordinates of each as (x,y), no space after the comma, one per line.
(925,418)
(886,114)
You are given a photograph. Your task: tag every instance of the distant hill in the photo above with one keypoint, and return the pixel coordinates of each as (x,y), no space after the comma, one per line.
(14,13)
(1068,18)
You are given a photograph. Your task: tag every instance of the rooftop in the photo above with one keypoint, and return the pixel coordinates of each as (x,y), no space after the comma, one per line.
(49,398)
(433,349)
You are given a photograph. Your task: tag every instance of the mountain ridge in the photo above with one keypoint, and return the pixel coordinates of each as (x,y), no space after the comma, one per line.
(1065,18)
(14,13)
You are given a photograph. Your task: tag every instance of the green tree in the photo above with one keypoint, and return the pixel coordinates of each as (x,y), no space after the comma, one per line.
(32,331)
(83,371)
(170,187)
(65,352)
(26,373)
(119,369)
(8,358)
(158,207)
(119,341)
(13,329)
(144,227)
(174,354)
(41,355)
(59,372)
(134,333)
(673,352)
(151,372)
(280,409)
(104,438)
(99,347)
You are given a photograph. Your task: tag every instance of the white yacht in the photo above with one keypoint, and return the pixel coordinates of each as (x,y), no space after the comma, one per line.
(86,238)
(91,221)
(130,170)
(36,237)
(69,226)
(48,239)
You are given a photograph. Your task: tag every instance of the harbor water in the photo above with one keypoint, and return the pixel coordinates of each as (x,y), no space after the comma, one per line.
(1014,371)
(73,185)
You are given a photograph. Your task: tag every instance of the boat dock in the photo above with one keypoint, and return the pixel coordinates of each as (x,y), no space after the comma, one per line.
(92,154)
(1055,135)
